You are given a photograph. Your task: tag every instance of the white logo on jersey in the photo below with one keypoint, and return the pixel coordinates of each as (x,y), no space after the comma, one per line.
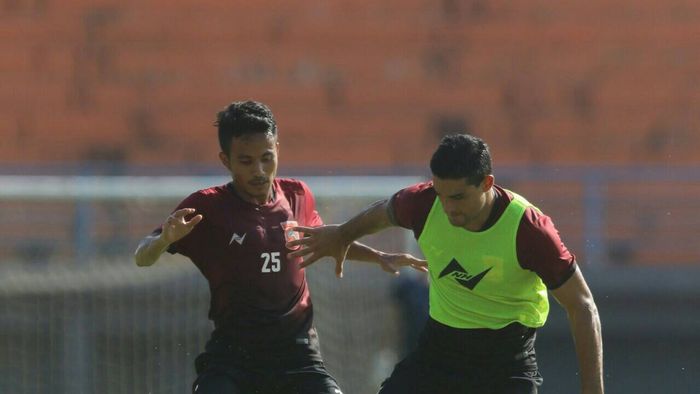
(237,238)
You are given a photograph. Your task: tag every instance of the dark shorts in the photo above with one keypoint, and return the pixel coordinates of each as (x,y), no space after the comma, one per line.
(453,361)
(294,368)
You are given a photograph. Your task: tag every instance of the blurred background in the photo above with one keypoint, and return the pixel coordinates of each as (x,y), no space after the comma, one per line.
(590,109)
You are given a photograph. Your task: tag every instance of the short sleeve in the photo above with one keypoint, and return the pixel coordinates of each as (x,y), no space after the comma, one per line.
(540,249)
(409,207)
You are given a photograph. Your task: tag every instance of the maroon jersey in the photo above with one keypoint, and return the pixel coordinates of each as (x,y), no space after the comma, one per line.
(258,295)
(538,245)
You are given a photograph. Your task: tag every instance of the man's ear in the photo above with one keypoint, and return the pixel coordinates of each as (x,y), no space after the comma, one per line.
(487,183)
(224,160)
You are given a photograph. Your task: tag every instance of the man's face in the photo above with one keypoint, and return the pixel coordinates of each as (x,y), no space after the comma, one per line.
(463,203)
(252,161)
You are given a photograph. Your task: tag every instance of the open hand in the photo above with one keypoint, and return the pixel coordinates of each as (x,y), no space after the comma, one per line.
(391,262)
(320,242)
(176,227)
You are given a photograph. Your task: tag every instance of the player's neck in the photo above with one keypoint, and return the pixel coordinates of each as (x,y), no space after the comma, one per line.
(480,221)
(253,199)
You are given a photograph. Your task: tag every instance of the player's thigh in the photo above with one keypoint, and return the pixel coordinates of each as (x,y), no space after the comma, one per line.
(216,383)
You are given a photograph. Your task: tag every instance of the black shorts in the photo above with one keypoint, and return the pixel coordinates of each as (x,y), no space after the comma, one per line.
(295,368)
(453,361)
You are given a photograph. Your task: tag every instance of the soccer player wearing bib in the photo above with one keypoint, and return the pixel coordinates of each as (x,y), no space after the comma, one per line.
(264,341)
(492,258)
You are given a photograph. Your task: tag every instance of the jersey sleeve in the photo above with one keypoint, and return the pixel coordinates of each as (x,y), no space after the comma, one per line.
(310,214)
(187,246)
(409,207)
(540,249)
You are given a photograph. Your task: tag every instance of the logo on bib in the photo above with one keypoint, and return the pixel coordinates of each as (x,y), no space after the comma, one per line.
(455,270)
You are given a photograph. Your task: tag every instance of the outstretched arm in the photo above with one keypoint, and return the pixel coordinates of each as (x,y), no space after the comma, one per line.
(584,322)
(334,240)
(175,227)
(389,262)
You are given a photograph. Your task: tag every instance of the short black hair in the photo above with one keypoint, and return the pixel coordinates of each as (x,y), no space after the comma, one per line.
(242,118)
(461,156)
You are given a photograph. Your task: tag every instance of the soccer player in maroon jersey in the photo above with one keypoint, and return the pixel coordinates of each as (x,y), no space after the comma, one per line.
(264,340)
(492,259)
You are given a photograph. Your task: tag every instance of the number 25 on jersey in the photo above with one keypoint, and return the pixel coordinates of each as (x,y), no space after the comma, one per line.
(271,262)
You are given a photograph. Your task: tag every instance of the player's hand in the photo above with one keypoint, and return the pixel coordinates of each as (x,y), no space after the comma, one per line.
(391,262)
(176,227)
(320,242)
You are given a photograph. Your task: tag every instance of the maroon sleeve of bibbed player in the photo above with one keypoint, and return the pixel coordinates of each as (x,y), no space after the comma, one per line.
(409,207)
(540,249)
